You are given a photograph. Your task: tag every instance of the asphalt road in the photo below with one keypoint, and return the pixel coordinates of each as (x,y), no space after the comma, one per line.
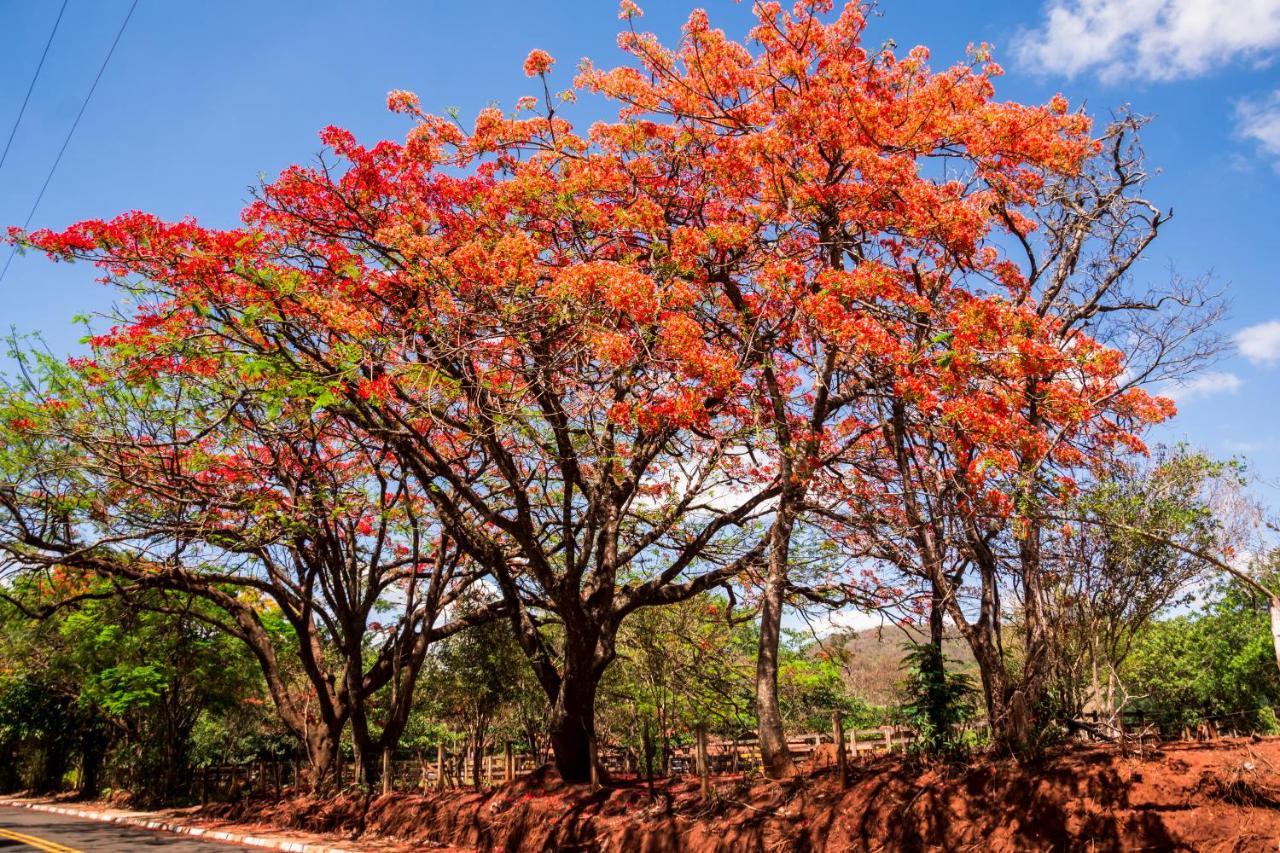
(25,830)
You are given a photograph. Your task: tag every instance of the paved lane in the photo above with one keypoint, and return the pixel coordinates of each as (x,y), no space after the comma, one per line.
(25,830)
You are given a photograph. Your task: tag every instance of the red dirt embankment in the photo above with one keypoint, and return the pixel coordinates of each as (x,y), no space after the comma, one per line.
(1223,796)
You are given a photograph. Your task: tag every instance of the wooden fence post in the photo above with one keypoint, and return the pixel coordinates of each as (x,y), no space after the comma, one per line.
(440,765)
(704,772)
(387,770)
(593,757)
(837,730)
(509,762)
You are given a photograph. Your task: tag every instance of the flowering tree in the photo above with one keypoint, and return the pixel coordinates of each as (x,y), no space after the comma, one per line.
(212,484)
(499,310)
(1015,400)
(851,208)
(623,366)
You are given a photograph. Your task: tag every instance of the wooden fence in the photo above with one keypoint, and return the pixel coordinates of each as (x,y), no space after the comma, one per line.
(743,755)
(445,770)
(271,776)
(719,756)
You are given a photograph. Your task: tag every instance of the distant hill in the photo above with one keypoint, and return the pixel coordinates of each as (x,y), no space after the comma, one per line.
(874,670)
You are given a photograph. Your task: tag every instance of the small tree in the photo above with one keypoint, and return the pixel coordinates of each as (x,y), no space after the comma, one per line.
(1109,579)
(475,676)
(679,668)
(939,700)
(214,482)
(124,683)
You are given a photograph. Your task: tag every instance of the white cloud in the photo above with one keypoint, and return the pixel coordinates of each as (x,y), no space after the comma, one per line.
(1260,343)
(825,623)
(1258,119)
(1204,385)
(1149,39)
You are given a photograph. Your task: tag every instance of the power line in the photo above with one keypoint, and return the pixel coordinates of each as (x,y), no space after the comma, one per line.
(31,88)
(70,133)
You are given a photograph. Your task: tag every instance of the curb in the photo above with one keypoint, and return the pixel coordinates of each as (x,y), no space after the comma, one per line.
(184,829)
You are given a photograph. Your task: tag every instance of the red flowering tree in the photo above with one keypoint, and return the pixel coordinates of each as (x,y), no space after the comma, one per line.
(500,309)
(852,208)
(622,367)
(1012,399)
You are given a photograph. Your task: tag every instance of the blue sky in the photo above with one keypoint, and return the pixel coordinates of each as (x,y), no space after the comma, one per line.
(202,99)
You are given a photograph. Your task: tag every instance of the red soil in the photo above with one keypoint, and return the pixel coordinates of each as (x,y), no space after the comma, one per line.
(1223,796)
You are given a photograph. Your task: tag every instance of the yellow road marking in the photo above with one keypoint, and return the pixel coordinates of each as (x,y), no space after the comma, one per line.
(38,843)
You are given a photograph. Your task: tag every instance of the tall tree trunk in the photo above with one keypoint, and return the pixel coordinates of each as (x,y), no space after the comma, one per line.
(774,754)
(477,758)
(366,757)
(572,722)
(93,746)
(992,674)
(937,612)
(1030,696)
(571,689)
(937,679)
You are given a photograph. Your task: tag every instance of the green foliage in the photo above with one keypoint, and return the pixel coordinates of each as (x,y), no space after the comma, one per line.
(1133,555)
(473,687)
(1219,663)
(811,685)
(677,668)
(693,664)
(939,700)
(112,688)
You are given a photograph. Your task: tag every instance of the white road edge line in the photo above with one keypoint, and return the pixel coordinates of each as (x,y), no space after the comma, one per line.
(183,829)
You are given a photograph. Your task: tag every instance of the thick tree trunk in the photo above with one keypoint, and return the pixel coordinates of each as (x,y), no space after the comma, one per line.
(774,754)
(367,760)
(322,759)
(93,746)
(1029,697)
(571,725)
(1008,710)
(992,674)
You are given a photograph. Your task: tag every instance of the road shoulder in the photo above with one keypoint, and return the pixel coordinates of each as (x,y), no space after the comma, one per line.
(186,823)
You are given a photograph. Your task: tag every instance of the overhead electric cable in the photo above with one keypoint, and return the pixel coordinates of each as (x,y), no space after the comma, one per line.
(34,77)
(70,133)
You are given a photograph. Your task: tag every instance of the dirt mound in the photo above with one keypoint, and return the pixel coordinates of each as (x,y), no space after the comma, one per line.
(1221,796)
